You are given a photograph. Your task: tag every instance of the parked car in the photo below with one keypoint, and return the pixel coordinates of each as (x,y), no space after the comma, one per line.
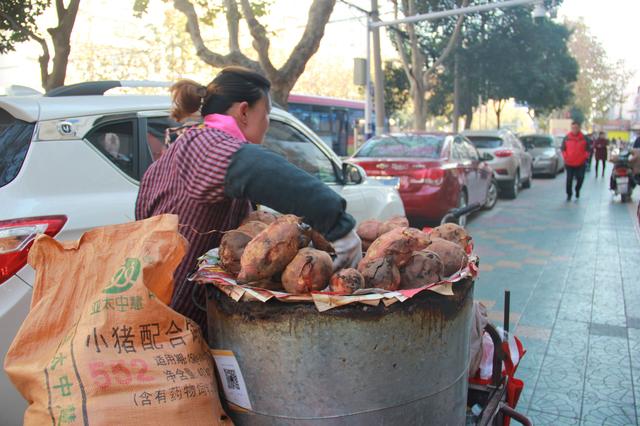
(71,163)
(547,159)
(511,163)
(436,172)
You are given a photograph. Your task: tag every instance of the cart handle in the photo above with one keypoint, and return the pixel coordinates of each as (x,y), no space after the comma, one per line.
(513,414)
(498,354)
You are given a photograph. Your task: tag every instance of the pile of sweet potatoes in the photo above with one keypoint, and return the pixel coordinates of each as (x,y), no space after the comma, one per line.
(401,257)
(280,252)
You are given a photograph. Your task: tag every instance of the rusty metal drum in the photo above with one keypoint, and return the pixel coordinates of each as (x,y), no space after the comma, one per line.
(405,364)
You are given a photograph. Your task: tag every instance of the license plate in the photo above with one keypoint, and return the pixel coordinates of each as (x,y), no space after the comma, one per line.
(623,180)
(388,181)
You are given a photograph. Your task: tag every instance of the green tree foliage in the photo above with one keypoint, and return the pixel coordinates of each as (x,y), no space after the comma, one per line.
(17,24)
(19,21)
(396,88)
(530,61)
(600,82)
(504,55)
(424,47)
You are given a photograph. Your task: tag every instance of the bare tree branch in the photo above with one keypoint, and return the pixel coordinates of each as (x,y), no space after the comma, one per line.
(403,55)
(319,14)
(453,40)
(60,10)
(70,14)
(260,39)
(203,52)
(417,57)
(403,58)
(233,24)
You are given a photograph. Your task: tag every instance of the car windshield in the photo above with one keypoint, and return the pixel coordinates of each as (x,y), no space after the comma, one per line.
(485,141)
(409,146)
(532,142)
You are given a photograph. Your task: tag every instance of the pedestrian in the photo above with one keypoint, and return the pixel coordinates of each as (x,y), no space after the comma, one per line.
(589,138)
(212,174)
(636,144)
(601,146)
(575,153)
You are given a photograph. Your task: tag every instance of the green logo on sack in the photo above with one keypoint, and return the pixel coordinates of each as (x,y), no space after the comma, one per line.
(124,278)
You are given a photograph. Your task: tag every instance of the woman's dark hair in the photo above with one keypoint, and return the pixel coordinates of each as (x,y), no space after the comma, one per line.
(232,84)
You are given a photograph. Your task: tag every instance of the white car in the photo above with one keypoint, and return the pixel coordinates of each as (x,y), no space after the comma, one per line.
(511,163)
(70,163)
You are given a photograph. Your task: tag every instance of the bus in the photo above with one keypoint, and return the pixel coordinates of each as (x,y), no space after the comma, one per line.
(334,120)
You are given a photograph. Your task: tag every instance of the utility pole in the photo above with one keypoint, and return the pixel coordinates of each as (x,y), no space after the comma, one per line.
(456,93)
(368,128)
(377,70)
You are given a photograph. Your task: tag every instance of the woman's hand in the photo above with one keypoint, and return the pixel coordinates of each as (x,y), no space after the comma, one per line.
(348,251)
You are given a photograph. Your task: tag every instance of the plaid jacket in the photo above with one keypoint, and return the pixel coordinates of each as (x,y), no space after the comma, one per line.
(188,180)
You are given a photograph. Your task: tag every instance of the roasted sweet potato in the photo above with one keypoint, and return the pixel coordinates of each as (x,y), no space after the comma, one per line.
(452,255)
(454,233)
(369,230)
(309,271)
(252,228)
(269,252)
(346,281)
(393,223)
(398,243)
(260,216)
(380,273)
(289,218)
(231,248)
(424,267)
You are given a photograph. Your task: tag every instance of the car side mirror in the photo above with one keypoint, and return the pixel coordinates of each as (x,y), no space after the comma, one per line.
(352,174)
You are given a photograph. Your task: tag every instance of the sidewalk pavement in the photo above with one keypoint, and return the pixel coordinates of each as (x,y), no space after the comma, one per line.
(573,269)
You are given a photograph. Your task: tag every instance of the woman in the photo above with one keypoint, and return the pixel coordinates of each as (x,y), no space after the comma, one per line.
(601,146)
(212,173)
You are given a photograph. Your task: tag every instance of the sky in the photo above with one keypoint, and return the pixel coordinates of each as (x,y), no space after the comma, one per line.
(615,23)
(110,22)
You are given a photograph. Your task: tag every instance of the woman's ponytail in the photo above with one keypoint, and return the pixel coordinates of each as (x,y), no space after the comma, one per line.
(187,96)
(232,84)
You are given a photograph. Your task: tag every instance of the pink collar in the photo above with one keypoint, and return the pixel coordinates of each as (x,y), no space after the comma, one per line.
(226,123)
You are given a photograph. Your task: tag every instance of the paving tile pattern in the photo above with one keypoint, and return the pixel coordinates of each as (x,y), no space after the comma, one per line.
(573,269)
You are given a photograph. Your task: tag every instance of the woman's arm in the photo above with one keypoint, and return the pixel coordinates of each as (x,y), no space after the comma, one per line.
(266,178)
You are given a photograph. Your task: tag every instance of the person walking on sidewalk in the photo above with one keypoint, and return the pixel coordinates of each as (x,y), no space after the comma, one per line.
(600,147)
(575,152)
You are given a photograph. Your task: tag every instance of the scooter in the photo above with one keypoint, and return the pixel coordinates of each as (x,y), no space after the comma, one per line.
(622,180)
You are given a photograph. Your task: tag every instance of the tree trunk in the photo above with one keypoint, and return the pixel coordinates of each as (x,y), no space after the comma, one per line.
(497,107)
(419,110)
(280,92)
(61,37)
(468,117)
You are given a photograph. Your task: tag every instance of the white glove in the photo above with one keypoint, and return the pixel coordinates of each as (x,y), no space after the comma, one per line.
(348,251)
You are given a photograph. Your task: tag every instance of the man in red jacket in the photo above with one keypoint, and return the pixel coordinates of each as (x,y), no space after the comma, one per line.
(576,153)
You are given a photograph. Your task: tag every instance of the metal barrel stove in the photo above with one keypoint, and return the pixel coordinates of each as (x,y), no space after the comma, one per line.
(405,364)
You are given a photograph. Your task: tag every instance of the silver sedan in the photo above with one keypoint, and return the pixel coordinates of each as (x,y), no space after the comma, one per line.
(547,158)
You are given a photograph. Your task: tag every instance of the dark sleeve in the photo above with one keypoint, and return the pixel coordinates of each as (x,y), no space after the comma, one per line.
(266,178)
(563,148)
